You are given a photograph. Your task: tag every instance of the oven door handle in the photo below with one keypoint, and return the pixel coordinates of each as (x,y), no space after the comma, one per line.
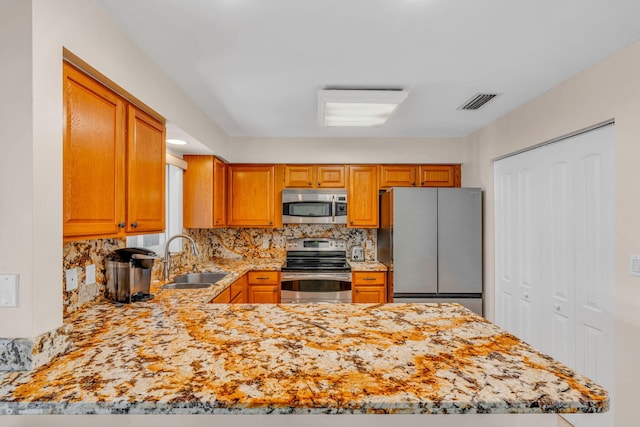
(290,277)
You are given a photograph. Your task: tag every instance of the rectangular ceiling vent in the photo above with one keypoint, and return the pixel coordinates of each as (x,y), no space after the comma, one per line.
(477,101)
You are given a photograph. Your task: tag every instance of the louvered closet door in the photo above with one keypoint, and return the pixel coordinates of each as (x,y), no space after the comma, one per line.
(554,253)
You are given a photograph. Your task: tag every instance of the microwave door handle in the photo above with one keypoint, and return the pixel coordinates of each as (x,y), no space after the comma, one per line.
(333,208)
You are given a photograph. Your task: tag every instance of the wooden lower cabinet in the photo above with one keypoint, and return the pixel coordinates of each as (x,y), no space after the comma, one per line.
(223,297)
(264,287)
(369,287)
(239,290)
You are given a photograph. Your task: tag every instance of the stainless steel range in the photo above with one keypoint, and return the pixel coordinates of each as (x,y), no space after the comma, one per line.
(316,271)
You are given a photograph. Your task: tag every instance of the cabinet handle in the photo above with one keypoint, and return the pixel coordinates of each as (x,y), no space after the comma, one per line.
(122,224)
(134,224)
(262,278)
(368,278)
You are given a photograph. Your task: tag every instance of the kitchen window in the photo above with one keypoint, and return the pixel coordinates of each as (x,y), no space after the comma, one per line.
(173,210)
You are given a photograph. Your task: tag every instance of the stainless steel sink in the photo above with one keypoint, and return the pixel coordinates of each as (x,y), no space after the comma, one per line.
(204,277)
(186,285)
(194,280)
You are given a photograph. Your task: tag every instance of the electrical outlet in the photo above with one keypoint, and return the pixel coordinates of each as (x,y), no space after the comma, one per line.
(265,243)
(71,276)
(634,265)
(368,244)
(90,274)
(9,290)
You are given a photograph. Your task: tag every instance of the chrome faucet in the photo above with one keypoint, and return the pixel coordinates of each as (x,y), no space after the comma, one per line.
(167,257)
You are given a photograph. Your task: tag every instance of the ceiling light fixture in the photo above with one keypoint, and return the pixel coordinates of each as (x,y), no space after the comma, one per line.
(176,142)
(357,107)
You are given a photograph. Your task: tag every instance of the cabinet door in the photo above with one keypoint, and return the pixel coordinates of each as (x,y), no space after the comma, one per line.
(298,176)
(198,185)
(440,175)
(223,297)
(251,195)
(369,294)
(239,290)
(398,176)
(93,157)
(362,202)
(330,176)
(264,294)
(146,169)
(204,198)
(219,193)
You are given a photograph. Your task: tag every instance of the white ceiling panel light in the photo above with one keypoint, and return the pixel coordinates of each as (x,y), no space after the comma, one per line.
(176,142)
(358,107)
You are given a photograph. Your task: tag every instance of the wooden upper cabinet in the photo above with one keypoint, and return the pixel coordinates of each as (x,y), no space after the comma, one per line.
(398,176)
(205,191)
(253,199)
(146,170)
(439,175)
(362,196)
(93,157)
(314,176)
(113,163)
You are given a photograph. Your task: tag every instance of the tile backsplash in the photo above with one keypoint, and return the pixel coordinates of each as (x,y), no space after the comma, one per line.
(270,242)
(80,254)
(212,243)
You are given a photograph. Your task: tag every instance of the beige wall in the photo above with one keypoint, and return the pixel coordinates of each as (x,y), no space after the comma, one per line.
(32,36)
(608,90)
(347,150)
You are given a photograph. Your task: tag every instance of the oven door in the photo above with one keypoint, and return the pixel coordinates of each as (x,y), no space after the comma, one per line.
(312,287)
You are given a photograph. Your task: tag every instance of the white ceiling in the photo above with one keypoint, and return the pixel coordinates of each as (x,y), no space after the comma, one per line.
(255,65)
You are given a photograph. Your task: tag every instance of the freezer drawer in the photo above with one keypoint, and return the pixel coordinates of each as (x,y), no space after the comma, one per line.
(473,304)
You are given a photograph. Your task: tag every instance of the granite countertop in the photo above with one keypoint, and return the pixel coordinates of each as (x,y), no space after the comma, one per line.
(176,354)
(367,266)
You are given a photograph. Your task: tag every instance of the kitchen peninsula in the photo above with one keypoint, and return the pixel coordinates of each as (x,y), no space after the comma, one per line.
(178,354)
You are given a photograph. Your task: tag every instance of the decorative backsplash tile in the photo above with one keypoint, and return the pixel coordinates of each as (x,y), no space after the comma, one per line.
(270,242)
(80,254)
(213,243)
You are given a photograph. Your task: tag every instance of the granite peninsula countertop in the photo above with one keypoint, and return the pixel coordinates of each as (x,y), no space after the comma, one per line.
(176,354)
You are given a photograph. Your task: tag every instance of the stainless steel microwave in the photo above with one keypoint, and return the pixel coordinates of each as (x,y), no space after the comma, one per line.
(314,206)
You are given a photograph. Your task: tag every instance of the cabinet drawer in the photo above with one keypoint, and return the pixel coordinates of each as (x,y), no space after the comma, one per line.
(264,277)
(223,298)
(369,278)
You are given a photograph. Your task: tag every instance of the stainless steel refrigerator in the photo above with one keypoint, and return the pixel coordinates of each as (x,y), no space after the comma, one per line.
(430,239)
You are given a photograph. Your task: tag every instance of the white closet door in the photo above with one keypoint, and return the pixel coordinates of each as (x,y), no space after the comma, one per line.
(518,289)
(554,253)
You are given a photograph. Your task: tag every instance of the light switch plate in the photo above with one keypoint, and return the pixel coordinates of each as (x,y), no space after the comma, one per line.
(90,274)
(634,265)
(71,276)
(9,290)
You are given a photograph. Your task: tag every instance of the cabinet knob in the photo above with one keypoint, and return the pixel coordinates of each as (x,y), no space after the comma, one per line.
(351,222)
(122,224)
(422,183)
(270,222)
(413,183)
(319,184)
(275,289)
(134,224)
(357,291)
(310,183)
